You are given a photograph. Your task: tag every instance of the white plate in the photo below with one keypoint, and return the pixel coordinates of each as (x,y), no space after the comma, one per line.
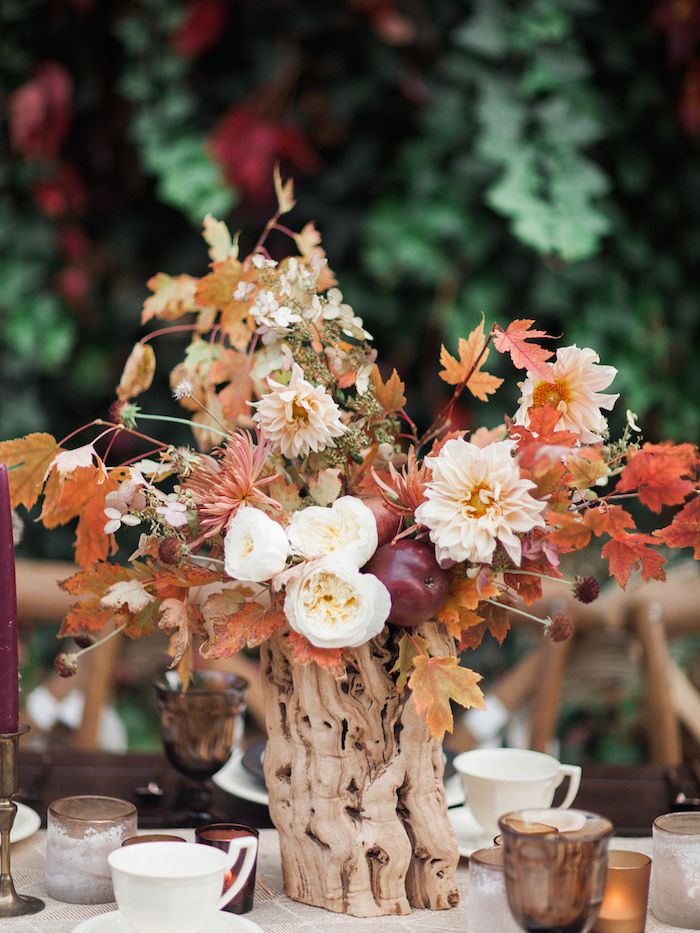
(470,836)
(113,923)
(234,779)
(26,823)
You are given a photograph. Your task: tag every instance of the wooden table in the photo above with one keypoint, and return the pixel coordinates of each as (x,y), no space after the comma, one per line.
(631,796)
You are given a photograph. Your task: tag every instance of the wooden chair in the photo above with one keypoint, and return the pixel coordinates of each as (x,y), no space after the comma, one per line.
(40,600)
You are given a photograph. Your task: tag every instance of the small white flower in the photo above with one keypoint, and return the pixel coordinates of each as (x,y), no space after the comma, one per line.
(260,262)
(632,421)
(183,389)
(334,309)
(334,605)
(173,512)
(347,529)
(243,291)
(129,593)
(117,505)
(298,417)
(476,498)
(255,546)
(575,392)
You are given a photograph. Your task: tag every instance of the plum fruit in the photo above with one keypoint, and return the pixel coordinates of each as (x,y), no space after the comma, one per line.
(417,585)
(387,521)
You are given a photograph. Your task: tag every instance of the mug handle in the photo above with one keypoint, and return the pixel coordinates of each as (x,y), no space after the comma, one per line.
(251,844)
(574,774)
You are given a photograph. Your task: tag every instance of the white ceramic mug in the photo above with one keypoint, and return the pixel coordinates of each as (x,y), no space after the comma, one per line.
(498,780)
(168,887)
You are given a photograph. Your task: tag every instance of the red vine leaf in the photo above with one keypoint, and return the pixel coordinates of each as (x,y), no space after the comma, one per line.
(530,356)
(627,553)
(684,530)
(663,474)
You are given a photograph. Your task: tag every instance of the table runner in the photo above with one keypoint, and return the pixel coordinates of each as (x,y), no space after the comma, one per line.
(274,912)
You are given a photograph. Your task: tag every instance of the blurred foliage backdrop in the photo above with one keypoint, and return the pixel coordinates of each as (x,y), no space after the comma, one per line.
(531,159)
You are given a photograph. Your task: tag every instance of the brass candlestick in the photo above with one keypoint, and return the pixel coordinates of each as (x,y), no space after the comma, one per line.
(12,904)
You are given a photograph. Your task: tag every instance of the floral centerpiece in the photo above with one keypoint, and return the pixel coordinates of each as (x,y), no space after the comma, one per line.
(315,522)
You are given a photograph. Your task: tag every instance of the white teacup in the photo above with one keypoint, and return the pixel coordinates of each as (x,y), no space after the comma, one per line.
(168,887)
(498,780)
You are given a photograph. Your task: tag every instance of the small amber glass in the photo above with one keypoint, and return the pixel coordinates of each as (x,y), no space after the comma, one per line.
(151,837)
(220,835)
(555,880)
(624,907)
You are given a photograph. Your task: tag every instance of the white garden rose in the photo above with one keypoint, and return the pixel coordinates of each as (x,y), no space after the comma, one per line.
(347,529)
(255,546)
(334,605)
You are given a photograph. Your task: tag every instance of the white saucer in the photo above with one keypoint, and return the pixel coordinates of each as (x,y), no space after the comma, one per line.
(470,836)
(234,779)
(113,923)
(26,823)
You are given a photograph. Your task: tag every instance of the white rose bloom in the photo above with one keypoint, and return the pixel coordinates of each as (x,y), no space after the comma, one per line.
(347,529)
(335,606)
(255,546)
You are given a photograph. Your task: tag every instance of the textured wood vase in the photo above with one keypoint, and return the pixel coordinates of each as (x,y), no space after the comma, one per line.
(355,785)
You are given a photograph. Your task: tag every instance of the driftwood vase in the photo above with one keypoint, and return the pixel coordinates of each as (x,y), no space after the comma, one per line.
(355,785)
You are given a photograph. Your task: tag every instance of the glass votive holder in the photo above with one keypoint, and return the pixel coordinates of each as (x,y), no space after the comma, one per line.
(487,907)
(675,874)
(80,834)
(220,835)
(624,907)
(152,837)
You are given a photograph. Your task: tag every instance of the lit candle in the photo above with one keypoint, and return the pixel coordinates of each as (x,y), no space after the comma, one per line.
(9,662)
(624,907)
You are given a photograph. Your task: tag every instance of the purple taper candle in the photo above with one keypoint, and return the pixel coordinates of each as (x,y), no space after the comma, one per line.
(9,654)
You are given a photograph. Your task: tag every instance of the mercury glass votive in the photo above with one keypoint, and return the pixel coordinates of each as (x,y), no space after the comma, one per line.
(487,907)
(675,874)
(80,834)
(624,907)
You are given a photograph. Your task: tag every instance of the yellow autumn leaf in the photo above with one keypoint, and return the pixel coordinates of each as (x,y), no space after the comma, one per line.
(390,394)
(471,358)
(218,237)
(138,372)
(172,297)
(284,192)
(435,682)
(27,460)
(409,647)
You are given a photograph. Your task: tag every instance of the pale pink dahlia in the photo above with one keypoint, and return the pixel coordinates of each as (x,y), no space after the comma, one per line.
(475,498)
(299,417)
(575,392)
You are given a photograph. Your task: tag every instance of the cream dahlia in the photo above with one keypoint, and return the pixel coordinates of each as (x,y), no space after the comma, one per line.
(475,498)
(299,417)
(575,392)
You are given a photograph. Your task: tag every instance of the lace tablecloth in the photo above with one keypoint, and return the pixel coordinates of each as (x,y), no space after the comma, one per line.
(274,912)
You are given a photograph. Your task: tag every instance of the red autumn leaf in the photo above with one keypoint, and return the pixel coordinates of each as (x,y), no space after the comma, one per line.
(540,433)
(664,474)
(627,553)
(331,659)
(608,519)
(494,619)
(529,588)
(27,459)
(530,356)
(684,530)
(435,682)
(39,113)
(86,615)
(232,623)
(570,531)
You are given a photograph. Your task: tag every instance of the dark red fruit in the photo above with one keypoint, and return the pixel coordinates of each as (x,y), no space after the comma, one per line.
(417,585)
(387,521)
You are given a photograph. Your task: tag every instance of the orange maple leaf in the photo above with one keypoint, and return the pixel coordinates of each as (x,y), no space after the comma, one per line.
(608,519)
(91,542)
(232,368)
(540,433)
(390,394)
(216,289)
(472,357)
(529,588)
(625,554)
(586,466)
(65,496)
(570,533)
(530,356)
(27,459)
(86,615)
(684,530)
(231,624)
(331,659)
(457,612)
(493,619)
(436,681)
(663,474)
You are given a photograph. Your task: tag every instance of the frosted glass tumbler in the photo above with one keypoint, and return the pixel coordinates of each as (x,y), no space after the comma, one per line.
(487,908)
(675,870)
(80,834)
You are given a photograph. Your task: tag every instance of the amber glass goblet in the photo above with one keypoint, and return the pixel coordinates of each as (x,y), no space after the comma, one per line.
(200,727)
(555,881)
